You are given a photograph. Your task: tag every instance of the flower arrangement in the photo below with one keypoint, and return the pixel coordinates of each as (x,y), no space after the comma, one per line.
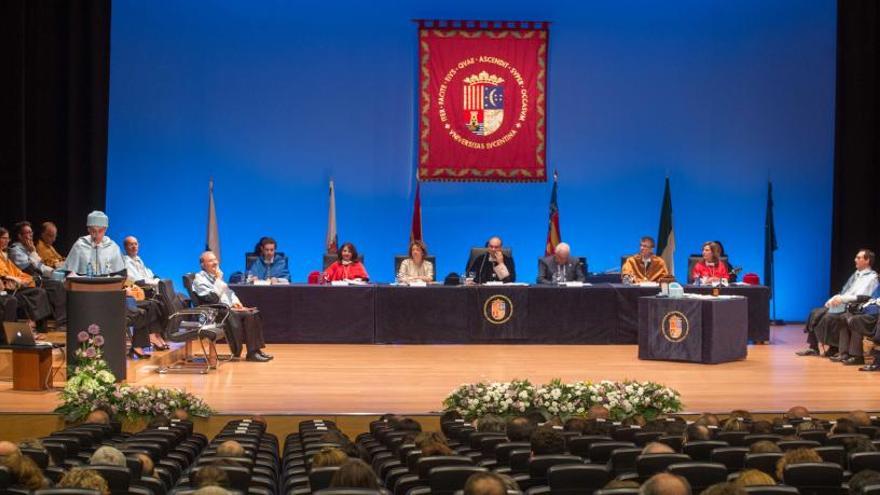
(91,384)
(623,399)
(502,398)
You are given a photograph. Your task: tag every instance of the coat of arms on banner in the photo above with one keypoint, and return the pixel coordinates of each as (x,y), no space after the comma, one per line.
(498,309)
(483,103)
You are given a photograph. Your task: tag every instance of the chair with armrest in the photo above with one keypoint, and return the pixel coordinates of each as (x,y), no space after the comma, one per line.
(329,259)
(398,259)
(476,252)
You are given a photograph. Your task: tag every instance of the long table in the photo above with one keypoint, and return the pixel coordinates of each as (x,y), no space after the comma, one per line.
(387,314)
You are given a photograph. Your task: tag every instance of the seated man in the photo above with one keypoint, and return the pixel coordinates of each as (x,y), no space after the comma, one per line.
(24,254)
(155,314)
(136,270)
(560,267)
(270,266)
(858,326)
(493,265)
(95,254)
(208,284)
(32,301)
(644,266)
(823,324)
(46,245)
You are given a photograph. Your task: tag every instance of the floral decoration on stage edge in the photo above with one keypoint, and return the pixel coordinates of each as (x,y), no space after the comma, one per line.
(623,399)
(91,384)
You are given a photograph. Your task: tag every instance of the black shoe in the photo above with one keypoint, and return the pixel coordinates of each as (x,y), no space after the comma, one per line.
(871,367)
(839,358)
(809,351)
(257,358)
(133,354)
(854,361)
(831,352)
(267,356)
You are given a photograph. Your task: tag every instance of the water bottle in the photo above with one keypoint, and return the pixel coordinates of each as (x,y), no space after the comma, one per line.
(90,272)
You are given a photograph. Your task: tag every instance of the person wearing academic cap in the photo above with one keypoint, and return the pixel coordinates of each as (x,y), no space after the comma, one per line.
(95,254)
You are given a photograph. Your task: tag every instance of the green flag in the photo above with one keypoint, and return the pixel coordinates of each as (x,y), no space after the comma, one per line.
(666,236)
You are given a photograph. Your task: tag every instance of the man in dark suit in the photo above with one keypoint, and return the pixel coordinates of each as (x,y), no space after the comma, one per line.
(493,265)
(560,267)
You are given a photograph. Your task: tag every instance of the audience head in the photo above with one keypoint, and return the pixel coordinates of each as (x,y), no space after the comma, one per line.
(88,479)
(764,447)
(328,457)
(657,448)
(107,456)
(147,465)
(536,416)
(491,423)
(8,449)
(863,478)
(762,427)
(417,251)
(209,262)
(230,448)
(860,418)
(98,417)
(180,414)
(708,419)
(485,484)
(665,484)
(797,412)
(432,448)
(348,253)
(355,474)
(4,239)
(646,246)
(24,471)
(519,429)
(427,437)
(267,247)
(734,424)
(211,490)
(409,424)
(696,433)
(210,475)
(741,414)
(754,477)
(598,412)
(159,422)
(48,233)
(793,457)
(725,488)
(574,424)
(807,426)
(616,483)
(843,426)
(97,223)
(547,441)
(858,444)
(132,248)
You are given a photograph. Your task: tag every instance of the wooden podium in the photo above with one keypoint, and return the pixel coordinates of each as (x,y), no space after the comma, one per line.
(100,301)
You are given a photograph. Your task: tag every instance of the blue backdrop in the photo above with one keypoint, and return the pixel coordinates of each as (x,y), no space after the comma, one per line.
(273,98)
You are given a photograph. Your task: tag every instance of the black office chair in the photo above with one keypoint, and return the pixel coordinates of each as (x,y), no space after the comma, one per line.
(476,252)
(732,457)
(700,475)
(648,465)
(580,445)
(733,438)
(204,323)
(445,480)
(871,490)
(118,478)
(503,450)
(319,478)
(702,450)
(600,452)
(832,453)
(39,456)
(66,491)
(787,445)
(860,461)
(624,460)
(645,437)
(763,462)
(577,479)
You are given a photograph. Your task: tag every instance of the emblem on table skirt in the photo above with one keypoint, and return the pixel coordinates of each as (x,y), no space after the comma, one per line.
(498,309)
(483,103)
(674,326)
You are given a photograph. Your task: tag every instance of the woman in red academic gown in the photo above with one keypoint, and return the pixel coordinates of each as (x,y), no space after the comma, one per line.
(710,269)
(347,267)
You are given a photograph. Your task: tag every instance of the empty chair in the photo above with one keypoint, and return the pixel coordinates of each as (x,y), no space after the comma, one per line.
(581,445)
(702,451)
(814,478)
(798,444)
(700,474)
(762,462)
(772,490)
(648,465)
(600,452)
(832,453)
(576,479)
(319,478)
(624,460)
(445,480)
(732,457)
(860,461)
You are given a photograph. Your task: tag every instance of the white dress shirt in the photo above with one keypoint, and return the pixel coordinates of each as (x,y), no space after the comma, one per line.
(204,283)
(138,271)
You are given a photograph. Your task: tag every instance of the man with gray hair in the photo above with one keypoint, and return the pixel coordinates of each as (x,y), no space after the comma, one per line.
(560,267)
(107,456)
(665,484)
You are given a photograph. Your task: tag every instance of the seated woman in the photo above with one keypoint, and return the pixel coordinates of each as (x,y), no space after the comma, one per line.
(33,301)
(710,269)
(416,267)
(347,266)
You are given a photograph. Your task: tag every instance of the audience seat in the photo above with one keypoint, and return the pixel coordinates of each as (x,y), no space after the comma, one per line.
(624,460)
(702,450)
(732,457)
(733,438)
(581,445)
(617,491)
(787,445)
(600,452)
(576,479)
(445,480)
(772,490)
(763,462)
(860,461)
(871,490)
(700,475)
(319,478)
(648,465)
(819,478)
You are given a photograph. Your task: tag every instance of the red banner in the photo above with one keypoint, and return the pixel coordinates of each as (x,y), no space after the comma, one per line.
(483,103)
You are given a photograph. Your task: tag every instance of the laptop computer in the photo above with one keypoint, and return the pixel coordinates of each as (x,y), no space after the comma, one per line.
(18,333)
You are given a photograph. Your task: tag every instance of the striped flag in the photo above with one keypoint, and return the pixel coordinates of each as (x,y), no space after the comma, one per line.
(666,236)
(770,244)
(332,239)
(415,233)
(212,240)
(554,235)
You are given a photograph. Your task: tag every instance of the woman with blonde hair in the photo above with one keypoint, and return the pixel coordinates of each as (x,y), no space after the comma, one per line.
(416,268)
(329,457)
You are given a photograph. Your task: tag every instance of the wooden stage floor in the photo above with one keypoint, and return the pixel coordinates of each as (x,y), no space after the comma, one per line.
(350,379)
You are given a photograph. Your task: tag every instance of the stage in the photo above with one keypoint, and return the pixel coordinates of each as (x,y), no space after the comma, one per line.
(331,379)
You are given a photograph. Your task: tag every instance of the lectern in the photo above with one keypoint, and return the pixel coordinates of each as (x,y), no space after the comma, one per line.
(99,301)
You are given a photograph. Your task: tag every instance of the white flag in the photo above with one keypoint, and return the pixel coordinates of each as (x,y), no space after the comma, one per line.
(332,240)
(212,241)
